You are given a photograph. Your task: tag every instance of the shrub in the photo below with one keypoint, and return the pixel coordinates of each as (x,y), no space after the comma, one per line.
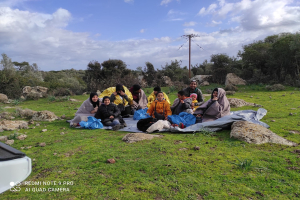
(275,87)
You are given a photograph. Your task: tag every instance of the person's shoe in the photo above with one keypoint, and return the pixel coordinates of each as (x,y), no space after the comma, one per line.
(124,124)
(126,116)
(73,125)
(117,127)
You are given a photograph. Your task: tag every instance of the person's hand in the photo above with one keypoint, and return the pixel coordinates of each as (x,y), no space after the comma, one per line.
(96,109)
(122,93)
(199,115)
(215,98)
(166,118)
(181,101)
(115,93)
(111,117)
(193,104)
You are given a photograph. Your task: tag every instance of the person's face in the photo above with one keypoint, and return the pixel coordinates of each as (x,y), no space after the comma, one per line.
(95,98)
(193,97)
(106,101)
(180,97)
(138,91)
(160,96)
(119,91)
(193,85)
(155,93)
(215,94)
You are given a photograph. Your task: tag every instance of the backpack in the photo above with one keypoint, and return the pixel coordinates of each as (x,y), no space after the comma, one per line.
(144,124)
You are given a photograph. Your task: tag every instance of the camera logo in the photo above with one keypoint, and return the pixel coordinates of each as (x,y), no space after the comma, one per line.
(15,186)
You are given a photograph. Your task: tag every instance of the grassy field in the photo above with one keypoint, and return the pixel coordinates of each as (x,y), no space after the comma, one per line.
(163,168)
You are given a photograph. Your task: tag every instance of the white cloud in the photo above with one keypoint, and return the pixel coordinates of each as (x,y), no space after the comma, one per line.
(142,30)
(189,23)
(128,1)
(165,2)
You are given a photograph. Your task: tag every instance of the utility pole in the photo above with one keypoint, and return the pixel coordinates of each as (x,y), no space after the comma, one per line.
(189,37)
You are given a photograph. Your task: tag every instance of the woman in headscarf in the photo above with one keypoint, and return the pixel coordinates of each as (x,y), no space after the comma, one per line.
(139,98)
(88,108)
(215,108)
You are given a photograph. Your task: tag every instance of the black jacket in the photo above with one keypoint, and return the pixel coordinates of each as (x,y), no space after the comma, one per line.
(104,112)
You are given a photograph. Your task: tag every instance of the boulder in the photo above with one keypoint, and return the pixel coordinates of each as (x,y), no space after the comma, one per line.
(142,81)
(256,134)
(135,137)
(9,142)
(98,92)
(3,98)
(201,78)
(44,116)
(167,81)
(13,125)
(34,92)
(22,137)
(236,103)
(3,138)
(27,113)
(204,83)
(232,79)
(230,87)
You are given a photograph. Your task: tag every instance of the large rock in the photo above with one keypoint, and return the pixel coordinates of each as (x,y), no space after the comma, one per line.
(204,83)
(135,137)
(44,116)
(13,125)
(3,98)
(27,113)
(34,92)
(201,78)
(236,103)
(142,81)
(232,79)
(256,134)
(167,81)
(3,138)
(230,87)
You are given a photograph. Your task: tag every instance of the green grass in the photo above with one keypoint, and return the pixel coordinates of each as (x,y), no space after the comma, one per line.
(162,168)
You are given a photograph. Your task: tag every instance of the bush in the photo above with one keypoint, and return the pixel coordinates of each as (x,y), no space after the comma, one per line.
(275,87)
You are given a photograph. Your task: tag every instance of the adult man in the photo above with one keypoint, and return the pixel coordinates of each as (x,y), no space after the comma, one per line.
(193,89)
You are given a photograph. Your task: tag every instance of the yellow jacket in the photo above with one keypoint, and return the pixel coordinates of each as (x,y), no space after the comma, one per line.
(152,98)
(118,100)
(160,108)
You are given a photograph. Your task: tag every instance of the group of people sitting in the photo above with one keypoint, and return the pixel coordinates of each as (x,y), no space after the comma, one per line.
(115,103)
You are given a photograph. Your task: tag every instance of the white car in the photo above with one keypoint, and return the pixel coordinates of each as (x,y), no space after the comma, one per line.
(15,167)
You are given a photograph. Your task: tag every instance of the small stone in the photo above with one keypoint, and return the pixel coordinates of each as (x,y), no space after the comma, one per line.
(291,114)
(297,151)
(33,159)
(62,133)
(54,154)
(3,138)
(44,130)
(12,118)
(33,127)
(182,149)
(292,132)
(251,96)
(293,108)
(22,137)
(111,161)
(42,144)
(257,97)
(37,124)
(75,108)
(63,116)
(29,147)
(197,148)
(22,148)
(31,122)
(272,120)
(9,142)
(59,171)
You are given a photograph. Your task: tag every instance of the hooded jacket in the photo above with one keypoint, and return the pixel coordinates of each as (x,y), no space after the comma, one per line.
(212,110)
(199,95)
(152,98)
(160,108)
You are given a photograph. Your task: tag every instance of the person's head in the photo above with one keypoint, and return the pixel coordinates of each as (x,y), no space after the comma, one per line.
(193,84)
(181,95)
(214,93)
(160,96)
(119,88)
(156,90)
(106,100)
(94,97)
(193,96)
(136,88)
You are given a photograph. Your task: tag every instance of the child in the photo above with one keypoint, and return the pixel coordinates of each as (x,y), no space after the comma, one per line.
(110,114)
(182,104)
(160,108)
(194,101)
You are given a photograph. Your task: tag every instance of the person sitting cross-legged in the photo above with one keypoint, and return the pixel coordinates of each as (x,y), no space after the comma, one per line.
(110,114)
(160,108)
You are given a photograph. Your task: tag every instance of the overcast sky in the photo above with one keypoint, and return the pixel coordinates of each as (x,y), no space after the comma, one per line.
(65,34)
